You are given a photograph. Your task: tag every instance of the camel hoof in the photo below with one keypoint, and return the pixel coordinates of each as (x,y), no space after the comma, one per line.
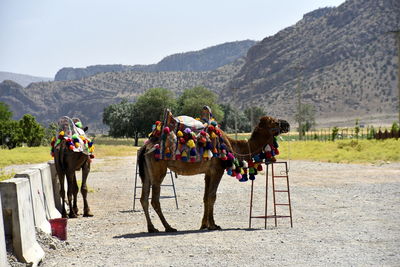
(171,230)
(153,230)
(88,214)
(215,227)
(203,227)
(73,215)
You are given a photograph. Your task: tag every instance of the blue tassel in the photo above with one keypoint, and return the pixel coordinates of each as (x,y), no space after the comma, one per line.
(252,177)
(244,178)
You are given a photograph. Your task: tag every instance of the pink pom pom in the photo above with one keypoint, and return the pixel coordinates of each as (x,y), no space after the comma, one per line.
(230,156)
(166,130)
(238,176)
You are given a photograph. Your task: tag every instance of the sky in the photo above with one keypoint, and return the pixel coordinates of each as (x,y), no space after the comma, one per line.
(42,36)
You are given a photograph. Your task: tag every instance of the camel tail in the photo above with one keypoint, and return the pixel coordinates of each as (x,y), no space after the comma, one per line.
(142,162)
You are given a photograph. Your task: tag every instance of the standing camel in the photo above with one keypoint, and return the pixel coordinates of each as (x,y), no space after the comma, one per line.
(70,157)
(152,171)
(67,162)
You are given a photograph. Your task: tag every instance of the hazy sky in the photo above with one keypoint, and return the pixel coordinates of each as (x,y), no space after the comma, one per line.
(38,37)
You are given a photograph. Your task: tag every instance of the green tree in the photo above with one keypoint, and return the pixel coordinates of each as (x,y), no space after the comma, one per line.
(357,128)
(305,118)
(395,127)
(5,113)
(119,117)
(191,102)
(150,108)
(135,119)
(253,114)
(228,122)
(371,132)
(49,133)
(335,132)
(32,132)
(10,133)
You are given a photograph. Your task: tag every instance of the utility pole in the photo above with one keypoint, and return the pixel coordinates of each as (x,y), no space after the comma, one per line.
(235,118)
(299,69)
(251,108)
(397,37)
(398,67)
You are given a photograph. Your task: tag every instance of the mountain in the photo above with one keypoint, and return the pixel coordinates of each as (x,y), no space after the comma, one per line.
(203,60)
(86,98)
(21,79)
(344,59)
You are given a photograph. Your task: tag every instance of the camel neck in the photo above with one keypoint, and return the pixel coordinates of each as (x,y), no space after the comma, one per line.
(244,149)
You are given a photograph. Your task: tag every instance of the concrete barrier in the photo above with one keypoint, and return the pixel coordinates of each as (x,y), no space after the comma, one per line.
(48,192)
(38,206)
(3,251)
(19,219)
(56,185)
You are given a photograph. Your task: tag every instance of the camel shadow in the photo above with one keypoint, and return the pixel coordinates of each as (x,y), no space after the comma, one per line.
(184,232)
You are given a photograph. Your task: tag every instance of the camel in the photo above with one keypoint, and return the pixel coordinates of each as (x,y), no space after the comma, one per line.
(67,161)
(152,171)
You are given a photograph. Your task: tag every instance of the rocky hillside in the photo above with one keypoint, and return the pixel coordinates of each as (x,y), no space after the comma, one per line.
(21,79)
(203,60)
(87,97)
(344,59)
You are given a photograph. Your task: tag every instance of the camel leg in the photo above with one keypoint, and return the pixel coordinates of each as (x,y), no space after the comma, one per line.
(211,196)
(155,202)
(204,221)
(75,191)
(70,191)
(61,177)
(144,200)
(84,190)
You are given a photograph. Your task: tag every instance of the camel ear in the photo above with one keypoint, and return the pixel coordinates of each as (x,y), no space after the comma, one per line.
(264,122)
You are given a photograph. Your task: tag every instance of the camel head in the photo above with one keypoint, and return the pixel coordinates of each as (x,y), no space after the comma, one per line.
(269,127)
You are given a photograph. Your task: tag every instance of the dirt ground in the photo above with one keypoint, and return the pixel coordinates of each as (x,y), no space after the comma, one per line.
(343,214)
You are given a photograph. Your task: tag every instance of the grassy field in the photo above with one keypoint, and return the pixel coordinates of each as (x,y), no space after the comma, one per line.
(341,151)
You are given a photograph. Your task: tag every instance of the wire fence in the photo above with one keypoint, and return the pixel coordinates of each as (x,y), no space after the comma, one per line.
(331,134)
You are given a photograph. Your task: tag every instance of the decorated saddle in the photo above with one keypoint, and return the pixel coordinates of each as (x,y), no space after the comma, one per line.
(73,132)
(187,139)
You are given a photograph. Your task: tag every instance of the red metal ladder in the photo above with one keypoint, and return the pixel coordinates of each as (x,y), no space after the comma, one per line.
(168,185)
(285,176)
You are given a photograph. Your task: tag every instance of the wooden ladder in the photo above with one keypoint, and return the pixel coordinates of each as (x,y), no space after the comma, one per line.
(285,176)
(168,185)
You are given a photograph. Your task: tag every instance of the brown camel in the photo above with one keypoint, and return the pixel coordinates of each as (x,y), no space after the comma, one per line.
(152,172)
(66,163)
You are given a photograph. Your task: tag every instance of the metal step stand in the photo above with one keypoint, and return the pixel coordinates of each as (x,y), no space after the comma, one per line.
(274,191)
(168,185)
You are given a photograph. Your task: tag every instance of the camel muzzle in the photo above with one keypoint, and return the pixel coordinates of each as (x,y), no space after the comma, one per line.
(284,126)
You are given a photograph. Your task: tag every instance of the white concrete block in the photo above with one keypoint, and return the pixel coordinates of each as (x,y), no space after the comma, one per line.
(3,251)
(56,185)
(39,210)
(48,194)
(18,219)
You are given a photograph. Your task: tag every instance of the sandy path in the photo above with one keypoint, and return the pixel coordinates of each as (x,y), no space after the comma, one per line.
(343,215)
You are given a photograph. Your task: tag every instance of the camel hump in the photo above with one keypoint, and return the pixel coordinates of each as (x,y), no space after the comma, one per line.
(190,122)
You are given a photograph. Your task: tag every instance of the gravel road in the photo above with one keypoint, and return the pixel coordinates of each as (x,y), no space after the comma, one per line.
(343,214)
